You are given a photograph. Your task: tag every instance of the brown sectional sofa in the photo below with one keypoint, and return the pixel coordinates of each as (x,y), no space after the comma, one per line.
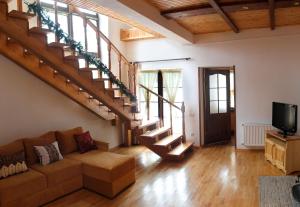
(97,170)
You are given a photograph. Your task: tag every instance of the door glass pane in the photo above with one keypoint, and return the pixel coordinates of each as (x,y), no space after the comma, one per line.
(213,94)
(214,107)
(213,81)
(222,106)
(78,30)
(222,94)
(222,80)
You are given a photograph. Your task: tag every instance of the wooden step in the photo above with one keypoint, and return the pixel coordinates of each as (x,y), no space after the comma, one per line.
(168,140)
(39,30)
(156,132)
(180,149)
(72,60)
(148,123)
(20,15)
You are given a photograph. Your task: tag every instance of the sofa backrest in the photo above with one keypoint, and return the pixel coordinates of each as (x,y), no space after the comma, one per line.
(12,148)
(44,139)
(66,141)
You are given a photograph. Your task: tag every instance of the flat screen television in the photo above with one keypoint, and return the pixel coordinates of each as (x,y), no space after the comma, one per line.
(284,118)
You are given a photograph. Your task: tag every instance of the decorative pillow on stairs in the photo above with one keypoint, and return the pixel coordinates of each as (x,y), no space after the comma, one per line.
(48,153)
(85,142)
(12,164)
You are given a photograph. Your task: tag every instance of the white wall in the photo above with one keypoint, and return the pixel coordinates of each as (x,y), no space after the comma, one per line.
(267,69)
(30,107)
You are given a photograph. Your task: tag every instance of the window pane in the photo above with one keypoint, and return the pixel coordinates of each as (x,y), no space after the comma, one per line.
(223,94)
(47,1)
(78,30)
(222,80)
(213,81)
(213,94)
(222,106)
(81,63)
(50,36)
(62,5)
(104,52)
(92,45)
(214,107)
(63,23)
(231,89)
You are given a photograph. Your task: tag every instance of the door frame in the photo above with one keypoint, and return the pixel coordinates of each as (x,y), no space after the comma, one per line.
(201,99)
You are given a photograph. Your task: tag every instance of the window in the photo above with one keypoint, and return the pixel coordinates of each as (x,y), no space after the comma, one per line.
(80,30)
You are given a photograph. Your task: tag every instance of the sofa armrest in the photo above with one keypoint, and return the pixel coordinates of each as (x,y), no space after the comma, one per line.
(102,145)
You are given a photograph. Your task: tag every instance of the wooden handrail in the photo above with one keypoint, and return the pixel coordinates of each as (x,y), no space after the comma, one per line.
(159,96)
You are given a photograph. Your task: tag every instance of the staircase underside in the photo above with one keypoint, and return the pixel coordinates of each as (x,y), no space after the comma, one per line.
(53,64)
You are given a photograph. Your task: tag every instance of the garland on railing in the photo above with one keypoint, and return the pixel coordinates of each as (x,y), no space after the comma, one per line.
(77,46)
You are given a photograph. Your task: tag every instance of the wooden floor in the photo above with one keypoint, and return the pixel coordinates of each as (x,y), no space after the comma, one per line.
(216,176)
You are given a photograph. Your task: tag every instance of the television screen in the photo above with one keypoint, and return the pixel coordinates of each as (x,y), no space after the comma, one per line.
(284,117)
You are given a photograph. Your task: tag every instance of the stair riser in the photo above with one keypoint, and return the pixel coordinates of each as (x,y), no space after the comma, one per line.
(152,140)
(73,63)
(3,10)
(57,51)
(86,74)
(41,37)
(20,22)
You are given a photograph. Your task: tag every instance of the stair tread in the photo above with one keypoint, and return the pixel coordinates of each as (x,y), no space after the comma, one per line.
(156,132)
(181,148)
(21,15)
(58,44)
(101,79)
(168,140)
(148,123)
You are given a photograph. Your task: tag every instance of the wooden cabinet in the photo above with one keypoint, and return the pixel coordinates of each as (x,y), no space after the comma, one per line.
(283,153)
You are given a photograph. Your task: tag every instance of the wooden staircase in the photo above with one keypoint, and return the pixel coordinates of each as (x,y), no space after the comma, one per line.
(53,64)
(163,142)
(57,65)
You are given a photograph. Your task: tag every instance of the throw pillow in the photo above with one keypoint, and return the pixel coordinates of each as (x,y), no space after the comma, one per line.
(48,153)
(85,142)
(12,164)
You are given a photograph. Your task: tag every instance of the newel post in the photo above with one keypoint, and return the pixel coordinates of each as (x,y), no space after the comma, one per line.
(183,122)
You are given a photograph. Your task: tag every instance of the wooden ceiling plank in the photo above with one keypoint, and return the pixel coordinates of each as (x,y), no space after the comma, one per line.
(226,18)
(228,8)
(272,14)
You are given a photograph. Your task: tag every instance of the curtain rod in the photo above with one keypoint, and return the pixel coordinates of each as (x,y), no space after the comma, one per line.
(163,60)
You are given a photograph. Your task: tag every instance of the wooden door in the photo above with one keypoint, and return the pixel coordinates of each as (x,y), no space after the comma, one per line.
(217,126)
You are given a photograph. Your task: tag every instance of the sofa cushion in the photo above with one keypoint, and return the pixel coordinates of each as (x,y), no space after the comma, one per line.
(85,142)
(59,172)
(66,140)
(21,186)
(105,166)
(12,159)
(45,139)
(48,153)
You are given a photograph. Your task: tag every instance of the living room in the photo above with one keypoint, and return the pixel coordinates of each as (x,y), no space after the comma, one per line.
(264,58)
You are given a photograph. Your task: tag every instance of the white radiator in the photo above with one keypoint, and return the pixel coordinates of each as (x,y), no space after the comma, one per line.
(254,134)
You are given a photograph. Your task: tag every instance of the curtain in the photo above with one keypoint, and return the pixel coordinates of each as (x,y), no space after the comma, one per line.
(148,79)
(172,80)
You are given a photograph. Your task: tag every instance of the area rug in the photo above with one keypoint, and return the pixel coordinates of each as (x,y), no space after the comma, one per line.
(276,191)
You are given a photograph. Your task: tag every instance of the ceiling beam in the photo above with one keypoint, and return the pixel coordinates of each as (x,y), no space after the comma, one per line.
(227,7)
(226,18)
(272,14)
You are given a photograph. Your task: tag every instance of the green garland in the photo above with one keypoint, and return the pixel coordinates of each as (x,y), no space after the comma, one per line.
(77,46)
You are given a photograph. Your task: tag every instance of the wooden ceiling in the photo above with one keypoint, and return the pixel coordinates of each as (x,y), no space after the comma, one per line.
(208,16)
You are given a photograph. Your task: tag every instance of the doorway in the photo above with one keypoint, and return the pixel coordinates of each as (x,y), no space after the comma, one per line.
(217,105)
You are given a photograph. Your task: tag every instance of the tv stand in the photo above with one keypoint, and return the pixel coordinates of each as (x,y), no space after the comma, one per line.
(285,134)
(283,152)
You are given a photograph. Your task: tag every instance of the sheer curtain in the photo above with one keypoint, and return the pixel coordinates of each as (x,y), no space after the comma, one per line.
(172,80)
(148,79)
